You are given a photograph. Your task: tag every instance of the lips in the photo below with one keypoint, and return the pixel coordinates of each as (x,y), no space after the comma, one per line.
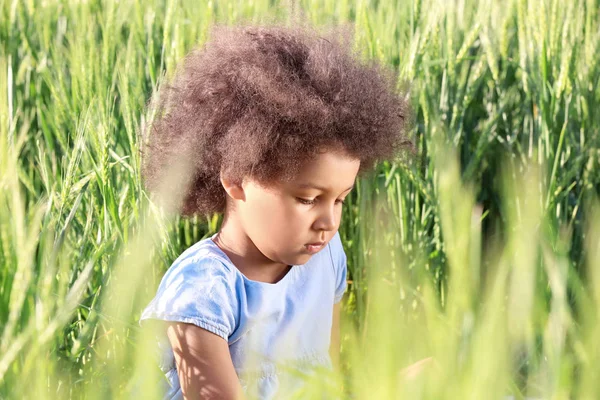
(313,248)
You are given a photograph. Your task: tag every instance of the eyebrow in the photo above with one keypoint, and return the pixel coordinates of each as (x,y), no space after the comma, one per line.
(311,186)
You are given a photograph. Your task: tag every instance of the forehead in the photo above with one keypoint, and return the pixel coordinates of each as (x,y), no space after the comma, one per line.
(328,171)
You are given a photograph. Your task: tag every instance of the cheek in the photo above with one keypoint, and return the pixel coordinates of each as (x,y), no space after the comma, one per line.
(270,211)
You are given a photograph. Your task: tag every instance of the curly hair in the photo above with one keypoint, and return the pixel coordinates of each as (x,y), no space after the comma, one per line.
(261,101)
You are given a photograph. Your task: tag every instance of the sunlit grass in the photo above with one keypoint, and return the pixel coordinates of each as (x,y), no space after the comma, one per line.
(478,255)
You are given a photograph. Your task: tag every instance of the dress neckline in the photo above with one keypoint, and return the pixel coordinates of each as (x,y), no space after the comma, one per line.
(280,282)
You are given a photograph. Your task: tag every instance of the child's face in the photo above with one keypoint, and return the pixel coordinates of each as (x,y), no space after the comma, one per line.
(284,218)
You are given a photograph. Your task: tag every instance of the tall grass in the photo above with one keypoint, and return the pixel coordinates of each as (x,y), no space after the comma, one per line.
(481,252)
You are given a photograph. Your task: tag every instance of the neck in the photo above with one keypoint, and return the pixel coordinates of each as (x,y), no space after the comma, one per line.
(248,259)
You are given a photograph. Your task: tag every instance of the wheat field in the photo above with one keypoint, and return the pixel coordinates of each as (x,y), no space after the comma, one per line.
(478,254)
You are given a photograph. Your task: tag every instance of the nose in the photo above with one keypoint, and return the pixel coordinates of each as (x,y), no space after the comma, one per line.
(327,218)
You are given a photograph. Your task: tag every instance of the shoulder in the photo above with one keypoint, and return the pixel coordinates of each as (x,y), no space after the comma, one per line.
(336,249)
(199,288)
(198,275)
(201,260)
(336,241)
(338,257)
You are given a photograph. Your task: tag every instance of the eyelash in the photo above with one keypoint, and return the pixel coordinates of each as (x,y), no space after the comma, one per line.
(311,202)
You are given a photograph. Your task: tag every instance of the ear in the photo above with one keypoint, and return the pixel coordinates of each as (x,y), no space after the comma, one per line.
(233,189)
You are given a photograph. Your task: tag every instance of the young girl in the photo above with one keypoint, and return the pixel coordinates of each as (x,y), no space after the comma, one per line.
(274,125)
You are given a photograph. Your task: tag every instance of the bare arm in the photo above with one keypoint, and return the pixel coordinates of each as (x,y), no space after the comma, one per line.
(204,363)
(334,348)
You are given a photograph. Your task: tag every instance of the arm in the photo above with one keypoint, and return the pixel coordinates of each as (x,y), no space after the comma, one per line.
(334,348)
(203,363)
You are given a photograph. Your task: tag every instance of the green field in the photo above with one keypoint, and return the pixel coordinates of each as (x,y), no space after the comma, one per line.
(481,250)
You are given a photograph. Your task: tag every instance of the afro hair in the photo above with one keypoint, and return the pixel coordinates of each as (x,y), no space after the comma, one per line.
(260,101)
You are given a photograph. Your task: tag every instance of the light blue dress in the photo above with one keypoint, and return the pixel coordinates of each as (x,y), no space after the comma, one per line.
(270,328)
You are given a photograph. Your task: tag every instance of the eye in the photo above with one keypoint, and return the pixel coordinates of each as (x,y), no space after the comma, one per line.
(305,201)
(313,201)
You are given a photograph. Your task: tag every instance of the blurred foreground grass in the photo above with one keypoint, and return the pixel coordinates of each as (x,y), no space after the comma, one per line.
(482,252)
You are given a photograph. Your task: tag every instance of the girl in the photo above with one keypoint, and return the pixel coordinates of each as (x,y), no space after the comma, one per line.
(273,125)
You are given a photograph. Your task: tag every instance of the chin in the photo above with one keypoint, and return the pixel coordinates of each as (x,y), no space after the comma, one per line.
(303,259)
(298,258)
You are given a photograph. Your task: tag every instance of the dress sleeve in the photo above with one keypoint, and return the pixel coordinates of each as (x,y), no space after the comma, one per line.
(196,290)
(338,257)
